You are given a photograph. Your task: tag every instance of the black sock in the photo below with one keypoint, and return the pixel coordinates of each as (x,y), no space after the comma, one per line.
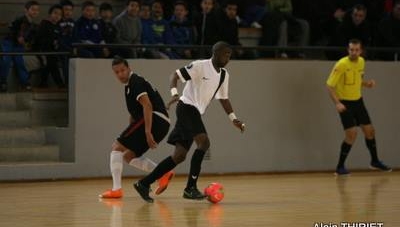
(161,169)
(195,167)
(344,151)
(371,144)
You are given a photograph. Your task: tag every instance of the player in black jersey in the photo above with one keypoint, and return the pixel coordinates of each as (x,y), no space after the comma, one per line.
(149,124)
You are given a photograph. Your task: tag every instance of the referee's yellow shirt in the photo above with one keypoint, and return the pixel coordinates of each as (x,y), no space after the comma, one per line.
(346,77)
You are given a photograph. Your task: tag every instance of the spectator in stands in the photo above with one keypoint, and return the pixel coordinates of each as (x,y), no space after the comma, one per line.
(228,28)
(129,27)
(389,32)
(19,39)
(88,30)
(205,23)
(251,12)
(283,27)
(344,8)
(156,30)
(145,11)
(354,27)
(67,25)
(47,40)
(109,31)
(319,16)
(182,29)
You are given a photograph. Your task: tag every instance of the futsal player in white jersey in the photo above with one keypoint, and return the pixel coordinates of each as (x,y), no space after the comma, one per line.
(204,80)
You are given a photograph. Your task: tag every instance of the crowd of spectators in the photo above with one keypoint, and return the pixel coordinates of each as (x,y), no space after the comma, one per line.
(193,22)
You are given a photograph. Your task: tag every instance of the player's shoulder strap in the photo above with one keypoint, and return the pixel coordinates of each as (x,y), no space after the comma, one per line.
(221,80)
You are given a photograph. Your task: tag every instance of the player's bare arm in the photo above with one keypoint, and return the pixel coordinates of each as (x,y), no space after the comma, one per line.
(174,92)
(332,93)
(148,120)
(226,104)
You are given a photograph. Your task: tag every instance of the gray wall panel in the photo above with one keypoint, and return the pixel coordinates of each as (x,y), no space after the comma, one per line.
(291,123)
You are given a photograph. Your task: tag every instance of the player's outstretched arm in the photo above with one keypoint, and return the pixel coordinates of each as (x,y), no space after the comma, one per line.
(226,104)
(174,91)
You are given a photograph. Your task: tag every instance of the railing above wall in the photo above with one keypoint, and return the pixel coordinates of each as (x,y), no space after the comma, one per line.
(310,52)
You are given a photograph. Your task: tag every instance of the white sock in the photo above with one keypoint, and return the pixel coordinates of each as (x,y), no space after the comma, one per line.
(143,163)
(116,164)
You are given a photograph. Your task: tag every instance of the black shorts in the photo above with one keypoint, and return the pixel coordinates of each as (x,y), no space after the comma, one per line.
(134,137)
(355,114)
(188,125)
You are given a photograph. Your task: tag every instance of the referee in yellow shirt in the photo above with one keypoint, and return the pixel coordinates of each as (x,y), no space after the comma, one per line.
(344,86)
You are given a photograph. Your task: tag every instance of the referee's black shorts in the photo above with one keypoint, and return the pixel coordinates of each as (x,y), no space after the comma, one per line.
(355,114)
(134,136)
(188,125)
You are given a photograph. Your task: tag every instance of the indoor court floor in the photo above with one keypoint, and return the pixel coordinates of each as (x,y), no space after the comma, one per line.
(363,199)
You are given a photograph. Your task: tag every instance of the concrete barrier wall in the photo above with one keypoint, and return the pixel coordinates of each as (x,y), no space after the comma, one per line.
(291,123)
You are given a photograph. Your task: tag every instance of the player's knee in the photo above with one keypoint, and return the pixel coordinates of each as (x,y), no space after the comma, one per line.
(128,156)
(116,146)
(351,135)
(204,144)
(179,157)
(370,134)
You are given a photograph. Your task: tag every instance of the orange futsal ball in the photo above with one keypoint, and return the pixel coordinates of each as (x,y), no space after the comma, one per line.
(214,192)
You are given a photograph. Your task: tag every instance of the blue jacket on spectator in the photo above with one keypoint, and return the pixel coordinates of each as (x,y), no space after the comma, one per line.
(183,32)
(89,31)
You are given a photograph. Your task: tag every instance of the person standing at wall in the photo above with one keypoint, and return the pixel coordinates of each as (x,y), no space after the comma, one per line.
(344,86)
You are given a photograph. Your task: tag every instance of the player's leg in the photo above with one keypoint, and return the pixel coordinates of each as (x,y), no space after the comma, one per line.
(143,185)
(369,133)
(350,137)
(132,139)
(116,165)
(160,129)
(143,163)
(191,191)
(350,131)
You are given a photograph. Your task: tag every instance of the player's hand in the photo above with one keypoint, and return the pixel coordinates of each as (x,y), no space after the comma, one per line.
(173,100)
(240,125)
(370,83)
(340,107)
(150,140)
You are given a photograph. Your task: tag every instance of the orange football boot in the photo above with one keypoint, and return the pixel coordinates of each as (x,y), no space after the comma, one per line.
(163,182)
(110,194)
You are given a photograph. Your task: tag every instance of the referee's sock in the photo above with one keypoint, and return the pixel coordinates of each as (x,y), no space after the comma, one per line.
(166,165)
(344,152)
(371,144)
(195,167)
